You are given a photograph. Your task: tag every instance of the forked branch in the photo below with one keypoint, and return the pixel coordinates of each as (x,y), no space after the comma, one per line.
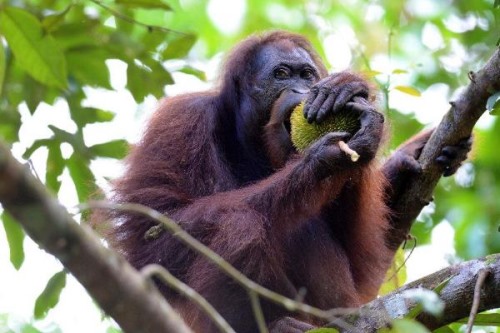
(456,125)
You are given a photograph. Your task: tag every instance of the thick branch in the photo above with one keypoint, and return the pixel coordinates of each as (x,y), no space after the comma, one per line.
(455,125)
(121,292)
(457,295)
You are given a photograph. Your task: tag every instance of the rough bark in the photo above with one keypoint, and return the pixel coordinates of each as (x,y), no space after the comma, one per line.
(457,294)
(457,124)
(121,291)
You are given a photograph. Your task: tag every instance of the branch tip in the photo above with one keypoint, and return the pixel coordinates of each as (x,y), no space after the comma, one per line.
(472,76)
(482,274)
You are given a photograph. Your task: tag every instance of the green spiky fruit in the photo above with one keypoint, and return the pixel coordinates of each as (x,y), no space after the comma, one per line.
(304,134)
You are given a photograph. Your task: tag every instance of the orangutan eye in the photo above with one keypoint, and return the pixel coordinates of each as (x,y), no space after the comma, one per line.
(282,73)
(307,74)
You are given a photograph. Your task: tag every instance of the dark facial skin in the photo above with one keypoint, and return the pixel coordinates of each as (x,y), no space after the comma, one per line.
(287,75)
(283,68)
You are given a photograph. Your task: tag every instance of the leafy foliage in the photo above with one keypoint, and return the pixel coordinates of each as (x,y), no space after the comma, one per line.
(50,295)
(36,52)
(10,325)
(15,237)
(486,319)
(52,51)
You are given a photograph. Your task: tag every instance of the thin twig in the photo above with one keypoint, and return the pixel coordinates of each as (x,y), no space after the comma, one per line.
(166,277)
(128,19)
(387,85)
(406,259)
(481,277)
(33,170)
(346,149)
(257,311)
(223,265)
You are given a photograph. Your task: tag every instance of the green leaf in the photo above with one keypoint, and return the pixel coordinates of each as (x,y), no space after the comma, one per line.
(408,90)
(55,166)
(442,284)
(137,78)
(125,26)
(144,80)
(82,33)
(84,116)
(396,275)
(34,147)
(49,297)
(113,149)
(444,329)
(3,66)
(113,330)
(53,21)
(493,104)
(15,238)
(179,47)
(194,71)
(496,4)
(35,51)
(149,4)
(10,122)
(62,135)
(76,140)
(35,92)
(371,73)
(88,66)
(82,176)
(484,319)
(126,48)
(399,71)
(405,326)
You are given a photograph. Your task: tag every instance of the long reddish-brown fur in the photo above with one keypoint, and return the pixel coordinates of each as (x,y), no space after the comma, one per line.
(285,228)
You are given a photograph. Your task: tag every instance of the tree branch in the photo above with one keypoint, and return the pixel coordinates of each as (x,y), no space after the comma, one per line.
(133,302)
(457,124)
(457,294)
